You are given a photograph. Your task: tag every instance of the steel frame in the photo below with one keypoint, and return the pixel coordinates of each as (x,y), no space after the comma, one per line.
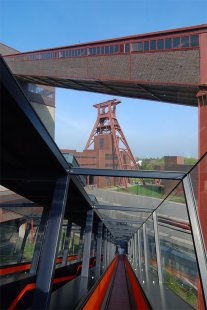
(196,233)
(165,175)
(46,268)
(122,208)
(87,244)
(98,249)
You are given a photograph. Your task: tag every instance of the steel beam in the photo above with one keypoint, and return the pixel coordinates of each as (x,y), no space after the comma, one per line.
(122,208)
(139,248)
(157,246)
(42,293)
(21,252)
(121,221)
(166,175)
(196,233)
(145,247)
(98,250)
(66,245)
(105,249)
(80,246)
(87,244)
(39,242)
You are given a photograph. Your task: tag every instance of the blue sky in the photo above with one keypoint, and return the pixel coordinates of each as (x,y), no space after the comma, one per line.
(152,129)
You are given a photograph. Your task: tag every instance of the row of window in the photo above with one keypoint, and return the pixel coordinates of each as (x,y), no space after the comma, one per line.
(168,43)
(139,46)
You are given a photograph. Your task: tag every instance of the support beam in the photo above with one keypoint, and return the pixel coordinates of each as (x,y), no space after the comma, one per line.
(196,233)
(87,244)
(66,245)
(145,247)
(157,246)
(171,175)
(105,249)
(98,250)
(39,242)
(21,252)
(42,293)
(80,246)
(123,208)
(139,248)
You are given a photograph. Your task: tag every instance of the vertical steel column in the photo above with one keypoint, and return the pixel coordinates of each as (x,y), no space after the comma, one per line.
(92,245)
(87,244)
(139,248)
(135,247)
(42,293)
(66,245)
(80,246)
(145,247)
(21,252)
(39,242)
(157,246)
(98,249)
(105,249)
(196,232)
(132,250)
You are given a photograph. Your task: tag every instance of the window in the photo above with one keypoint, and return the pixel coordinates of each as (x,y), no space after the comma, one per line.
(176,42)
(194,41)
(116,48)
(153,45)
(83,52)
(98,50)
(126,48)
(106,49)
(160,44)
(185,41)
(102,50)
(140,46)
(146,46)
(137,47)
(168,43)
(111,49)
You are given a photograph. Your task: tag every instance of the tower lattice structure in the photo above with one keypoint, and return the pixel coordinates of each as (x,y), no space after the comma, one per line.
(107,124)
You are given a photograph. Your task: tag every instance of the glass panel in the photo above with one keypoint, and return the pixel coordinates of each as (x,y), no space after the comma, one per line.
(178,259)
(160,44)
(134,47)
(199,182)
(106,49)
(102,50)
(176,42)
(153,45)
(185,41)
(116,48)
(111,49)
(127,48)
(19,222)
(168,43)
(194,40)
(151,246)
(146,46)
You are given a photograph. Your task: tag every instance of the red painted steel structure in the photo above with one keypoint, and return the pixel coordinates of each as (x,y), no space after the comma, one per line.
(107,124)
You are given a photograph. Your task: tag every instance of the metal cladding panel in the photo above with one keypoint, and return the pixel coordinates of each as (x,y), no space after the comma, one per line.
(173,66)
(67,67)
(109,67)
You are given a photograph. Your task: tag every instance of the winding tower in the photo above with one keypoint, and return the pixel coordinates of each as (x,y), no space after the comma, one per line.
(107,128)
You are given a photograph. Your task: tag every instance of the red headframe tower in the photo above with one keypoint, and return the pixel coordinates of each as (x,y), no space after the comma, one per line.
(107,124)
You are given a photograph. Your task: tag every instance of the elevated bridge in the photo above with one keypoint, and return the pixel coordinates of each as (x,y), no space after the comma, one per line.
(168,66)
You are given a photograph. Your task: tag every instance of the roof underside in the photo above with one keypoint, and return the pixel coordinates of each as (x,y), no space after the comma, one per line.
(177,94)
